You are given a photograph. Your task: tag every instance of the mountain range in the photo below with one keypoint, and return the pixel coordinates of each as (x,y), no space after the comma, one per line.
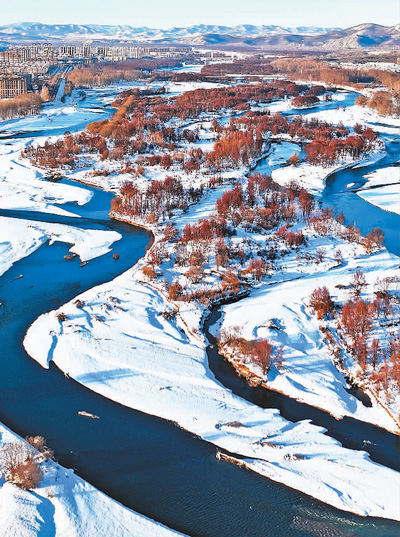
(246,35)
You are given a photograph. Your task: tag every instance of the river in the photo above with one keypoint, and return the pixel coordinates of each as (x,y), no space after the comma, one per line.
(144,462)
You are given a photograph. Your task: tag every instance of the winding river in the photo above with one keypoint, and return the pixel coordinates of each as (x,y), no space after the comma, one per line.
(342,198)
(146,463)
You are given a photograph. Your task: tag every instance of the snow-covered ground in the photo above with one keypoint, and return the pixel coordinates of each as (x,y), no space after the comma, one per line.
(285,105)
(383,189)
(120,345)
(148,362)
(280,312)
(65,505)
(281,153)
(313,177)
(57,115)
(23,187)
(352,115)
(19,238)
(176,88)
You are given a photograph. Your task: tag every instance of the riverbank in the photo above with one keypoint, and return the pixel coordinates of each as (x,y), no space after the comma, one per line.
(382,189)
(310,374)
(64,504)
(313,177)
(113,341)
(19,238)
(144,355)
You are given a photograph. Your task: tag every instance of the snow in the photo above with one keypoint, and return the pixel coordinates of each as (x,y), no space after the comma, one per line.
(19,238)
(313,177)
(383,189)
(53,118)
(65,505)
(176,88)
(120,345)
(308,176)
(24,188)
(282,152)
(309,373)
(285,105)
(385,197)
(352,115)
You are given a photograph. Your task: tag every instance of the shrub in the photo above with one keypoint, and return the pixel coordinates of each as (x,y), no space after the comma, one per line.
(356,319)
(175,291)
(265,355)
(230,336)
(321,302)
(358,282)
(27,475)
(18,465)
(39,443)
(149,272)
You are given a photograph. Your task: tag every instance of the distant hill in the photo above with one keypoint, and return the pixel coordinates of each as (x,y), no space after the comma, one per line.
(246,35)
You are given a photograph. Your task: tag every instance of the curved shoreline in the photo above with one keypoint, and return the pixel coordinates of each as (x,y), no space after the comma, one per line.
(154,233)
(374,204)
(241,370)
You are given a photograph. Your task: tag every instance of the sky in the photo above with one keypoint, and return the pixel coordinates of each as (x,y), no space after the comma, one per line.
(170,13)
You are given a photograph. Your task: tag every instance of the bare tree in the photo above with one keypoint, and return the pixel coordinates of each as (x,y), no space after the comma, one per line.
(18,465)
(358,282)
(14,454)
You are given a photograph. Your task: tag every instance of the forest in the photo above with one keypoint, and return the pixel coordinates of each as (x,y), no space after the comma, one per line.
(139,128)
(385,101)
(22,105)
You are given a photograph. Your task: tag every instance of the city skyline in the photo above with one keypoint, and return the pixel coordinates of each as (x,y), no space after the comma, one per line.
(177,13)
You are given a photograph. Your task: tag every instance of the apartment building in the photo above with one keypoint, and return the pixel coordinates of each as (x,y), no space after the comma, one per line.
(11,86)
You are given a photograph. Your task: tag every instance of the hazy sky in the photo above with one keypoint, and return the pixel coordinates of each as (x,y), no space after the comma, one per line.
(168,13)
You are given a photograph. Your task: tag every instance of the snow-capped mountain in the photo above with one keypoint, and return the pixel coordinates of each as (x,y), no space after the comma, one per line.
(364,35)
(33,31)
(245,35)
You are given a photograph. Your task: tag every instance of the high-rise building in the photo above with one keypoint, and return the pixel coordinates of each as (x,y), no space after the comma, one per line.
(11,86)
(67,51)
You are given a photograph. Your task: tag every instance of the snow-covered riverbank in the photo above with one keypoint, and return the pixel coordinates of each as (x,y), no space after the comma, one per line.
(313,177)
(19,238)
(67,506)
(280,312)
(121,342)
(23,187)
(383,189)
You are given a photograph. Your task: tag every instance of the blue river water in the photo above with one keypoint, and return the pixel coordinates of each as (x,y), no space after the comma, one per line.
(146,463)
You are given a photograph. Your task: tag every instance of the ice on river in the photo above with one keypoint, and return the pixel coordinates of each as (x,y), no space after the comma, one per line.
(19,238)
(383,189)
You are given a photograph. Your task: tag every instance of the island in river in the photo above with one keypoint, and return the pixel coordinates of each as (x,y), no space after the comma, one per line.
(133,342)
